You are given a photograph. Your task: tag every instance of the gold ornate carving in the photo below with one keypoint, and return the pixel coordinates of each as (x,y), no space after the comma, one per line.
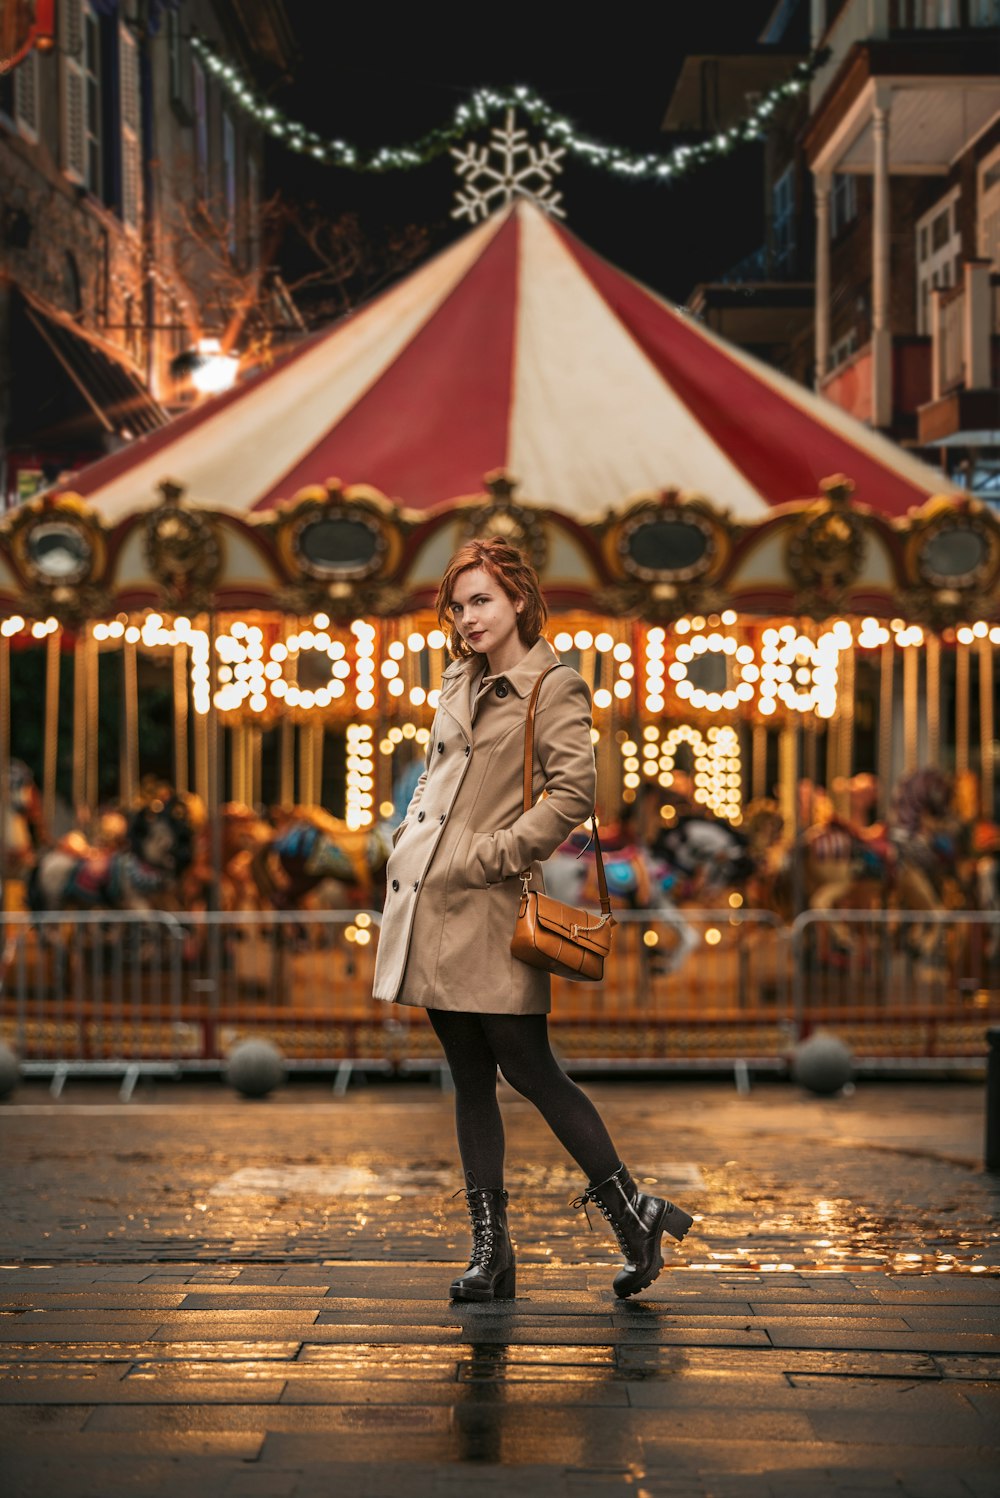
(183,549)
(938,594)
(303,531)
(501,515)
(825,550)
(57,546)
(667,515)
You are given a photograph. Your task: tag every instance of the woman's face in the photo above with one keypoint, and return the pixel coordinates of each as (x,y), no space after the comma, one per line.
(484,615)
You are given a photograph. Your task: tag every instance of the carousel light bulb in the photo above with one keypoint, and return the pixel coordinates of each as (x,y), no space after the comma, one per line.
(655,703)
(631,763)
(415,641)
(321,621)
(583,639)
(683,626)
(422,736)
(622,688)
(650,733)
(631,781)
(337,688)
(396,650)
(365,701)
(436,639)
(418,696)
(604,642)
(396,688)
(622,652)
(729,617)
(602,698)
(389,669)
(964,635)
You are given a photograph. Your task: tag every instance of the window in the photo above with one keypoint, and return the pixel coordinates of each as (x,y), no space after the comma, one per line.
(783,198)
(131,127)
(939,253)
(253,210)
(984,12)
(229,180)
(988,209)
(844,348)
(843,201)
(199,86)
(26,91)
(179,62)
(80,52)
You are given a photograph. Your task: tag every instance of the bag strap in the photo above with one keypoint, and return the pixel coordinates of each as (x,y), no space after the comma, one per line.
(529,752)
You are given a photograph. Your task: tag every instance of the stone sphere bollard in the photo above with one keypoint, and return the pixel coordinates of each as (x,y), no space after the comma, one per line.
(255,1067)
(10,1070)
(822,1063)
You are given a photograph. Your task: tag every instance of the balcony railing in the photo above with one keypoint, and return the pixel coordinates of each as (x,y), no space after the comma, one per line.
(875,20)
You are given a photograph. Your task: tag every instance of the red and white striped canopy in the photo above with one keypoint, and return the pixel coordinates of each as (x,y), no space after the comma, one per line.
(516,348)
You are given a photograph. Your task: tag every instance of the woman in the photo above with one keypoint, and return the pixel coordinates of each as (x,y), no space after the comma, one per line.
(452,897)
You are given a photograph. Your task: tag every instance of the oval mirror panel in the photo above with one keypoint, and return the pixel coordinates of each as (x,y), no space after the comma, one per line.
(332,544)
(667,546)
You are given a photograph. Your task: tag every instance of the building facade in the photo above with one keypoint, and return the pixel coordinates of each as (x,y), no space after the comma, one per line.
(879,278)
(130,201)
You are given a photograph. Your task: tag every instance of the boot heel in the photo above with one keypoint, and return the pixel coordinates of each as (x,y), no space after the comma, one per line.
(506,1285)
(676,1221)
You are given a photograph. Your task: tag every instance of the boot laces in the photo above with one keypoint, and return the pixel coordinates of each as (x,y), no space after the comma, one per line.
(591,1196)
(482,1231)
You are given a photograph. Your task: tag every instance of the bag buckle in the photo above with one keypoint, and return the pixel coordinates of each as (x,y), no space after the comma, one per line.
(525,881)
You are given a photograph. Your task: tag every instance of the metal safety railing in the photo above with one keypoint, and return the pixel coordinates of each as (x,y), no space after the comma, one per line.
(131,993)
(899,987)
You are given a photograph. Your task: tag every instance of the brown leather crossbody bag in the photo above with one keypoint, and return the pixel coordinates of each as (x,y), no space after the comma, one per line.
(566,941)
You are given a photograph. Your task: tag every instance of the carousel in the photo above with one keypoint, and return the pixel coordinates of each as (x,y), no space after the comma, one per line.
(763,594)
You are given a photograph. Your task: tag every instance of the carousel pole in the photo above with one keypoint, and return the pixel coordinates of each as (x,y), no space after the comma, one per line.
(51,751)
(286,761)
(93,669)
(237,763)
(256,772)
(986,760)
(180,718)
(130,734)
(911,704)
(319,741)
(81,736)
(961,708)
(759,760)
(306,762)
(933,696)
(885,725)
(848,675)
(4,763)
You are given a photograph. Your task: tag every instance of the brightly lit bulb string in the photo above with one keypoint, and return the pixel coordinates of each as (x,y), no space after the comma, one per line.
(715,756)
(485,104)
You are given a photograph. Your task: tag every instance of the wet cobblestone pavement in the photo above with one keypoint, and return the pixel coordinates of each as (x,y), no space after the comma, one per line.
(200,1293)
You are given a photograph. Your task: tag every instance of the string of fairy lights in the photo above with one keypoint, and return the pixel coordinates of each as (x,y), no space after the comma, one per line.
(485,104)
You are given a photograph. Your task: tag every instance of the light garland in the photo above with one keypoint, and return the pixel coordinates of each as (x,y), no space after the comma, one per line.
(486,103)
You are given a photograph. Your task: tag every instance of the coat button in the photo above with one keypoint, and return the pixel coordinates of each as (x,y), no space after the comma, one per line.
(420,816)
(440,748)
(502,689)
(395,884)
(441,817)
(468,750)
(416,884)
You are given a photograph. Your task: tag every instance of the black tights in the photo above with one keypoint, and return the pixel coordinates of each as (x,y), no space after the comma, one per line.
(475,1045)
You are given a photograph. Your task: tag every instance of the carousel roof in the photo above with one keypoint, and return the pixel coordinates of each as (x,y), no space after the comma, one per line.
(515,348)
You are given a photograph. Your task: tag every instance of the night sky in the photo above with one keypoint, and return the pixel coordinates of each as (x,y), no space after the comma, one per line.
(610,70)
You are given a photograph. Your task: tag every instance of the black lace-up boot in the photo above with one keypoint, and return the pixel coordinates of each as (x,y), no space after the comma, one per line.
(639,1222)
(491,1273)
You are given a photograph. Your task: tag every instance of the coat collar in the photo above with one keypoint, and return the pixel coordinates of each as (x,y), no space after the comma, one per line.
(521,677)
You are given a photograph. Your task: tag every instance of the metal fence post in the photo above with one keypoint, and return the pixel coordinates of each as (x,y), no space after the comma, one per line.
(993,1099)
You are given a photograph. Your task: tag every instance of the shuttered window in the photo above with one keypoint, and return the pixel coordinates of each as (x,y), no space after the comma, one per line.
(74,93)
(131,128)
(26,95)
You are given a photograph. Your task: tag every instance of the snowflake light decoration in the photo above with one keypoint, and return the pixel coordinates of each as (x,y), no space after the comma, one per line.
(486,186)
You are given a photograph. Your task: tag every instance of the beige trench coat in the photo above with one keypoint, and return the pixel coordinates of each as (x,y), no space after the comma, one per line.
(452,879)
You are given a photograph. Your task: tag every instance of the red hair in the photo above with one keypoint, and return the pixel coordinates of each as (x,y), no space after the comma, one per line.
(511,570)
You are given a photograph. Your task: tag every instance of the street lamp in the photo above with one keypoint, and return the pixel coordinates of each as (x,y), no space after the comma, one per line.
(206,367)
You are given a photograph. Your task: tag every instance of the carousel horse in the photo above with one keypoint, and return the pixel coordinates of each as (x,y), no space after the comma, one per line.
(22,827)
(142,874)
(313,858)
